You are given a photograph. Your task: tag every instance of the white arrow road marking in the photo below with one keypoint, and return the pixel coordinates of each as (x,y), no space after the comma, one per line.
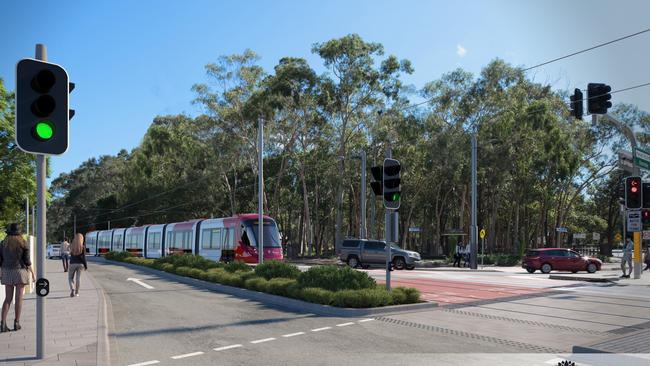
(187,355)
(145,363)
(228,347)
(140,283)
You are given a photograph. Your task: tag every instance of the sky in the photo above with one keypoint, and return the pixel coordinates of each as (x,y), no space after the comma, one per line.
(134,60)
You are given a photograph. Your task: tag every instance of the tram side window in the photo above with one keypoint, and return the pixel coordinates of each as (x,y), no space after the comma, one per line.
(228,238)
(154,240)
(211,239)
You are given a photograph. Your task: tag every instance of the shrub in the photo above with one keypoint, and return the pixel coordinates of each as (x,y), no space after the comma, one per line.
(183,271)
(189,260)
(118,256)
(167,267)
(257,284)
(316,295)
(245,275)
(196,273)
(139,261)
(281,286)
(215,275)
(275,269)
(405,295)
(334,278)
(235,266)
(232,279)
(365,298)
(604,258)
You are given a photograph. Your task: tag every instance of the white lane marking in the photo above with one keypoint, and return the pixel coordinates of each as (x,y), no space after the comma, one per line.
(140,283)
(293,334)
(344,324)
(319,329)
(228,347)
(365,320)
(262,340)
(145,363)
(554,361)
(187,355)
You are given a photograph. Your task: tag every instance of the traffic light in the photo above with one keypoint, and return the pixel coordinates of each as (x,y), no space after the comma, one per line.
(377,174)
(598,97)
(391,184)
(42,114)
(645,217)
(645,195)
(576,104)
(633,192)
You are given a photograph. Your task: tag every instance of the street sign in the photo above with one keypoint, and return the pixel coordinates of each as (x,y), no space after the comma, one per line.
(414,230)
(634,220)
(618,237)
(482,233)
(595,236)
(562,229)
(625,161)
(580,236)
(642,159)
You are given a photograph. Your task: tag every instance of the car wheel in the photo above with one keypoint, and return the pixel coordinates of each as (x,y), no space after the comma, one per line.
(530,270)
(546,268)
(591,268)
(410,268)
(574,271)
(353,261)
(399,263)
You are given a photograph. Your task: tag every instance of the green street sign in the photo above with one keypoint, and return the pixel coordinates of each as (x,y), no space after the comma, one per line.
(642,159)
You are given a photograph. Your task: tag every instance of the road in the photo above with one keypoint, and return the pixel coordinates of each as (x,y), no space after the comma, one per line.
(177,324)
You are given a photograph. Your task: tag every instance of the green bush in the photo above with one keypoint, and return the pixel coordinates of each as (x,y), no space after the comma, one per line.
(188,260)
(167,267)
(257,284)
(215,275)
(275,269)
(232,279)
(197,273)
(235,266)
(245,275)
(139,261)
(603,258)
(405,295)
(183,271)
(334,278)
(365,298)
(316,295)
(281,286)
(118,256)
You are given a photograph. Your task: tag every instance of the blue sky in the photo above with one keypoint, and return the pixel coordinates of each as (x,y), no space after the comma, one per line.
(133,60)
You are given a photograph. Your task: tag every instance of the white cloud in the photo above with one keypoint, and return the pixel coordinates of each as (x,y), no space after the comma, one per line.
(460,50)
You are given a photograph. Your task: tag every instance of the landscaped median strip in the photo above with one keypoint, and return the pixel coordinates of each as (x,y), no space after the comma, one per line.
(187,355)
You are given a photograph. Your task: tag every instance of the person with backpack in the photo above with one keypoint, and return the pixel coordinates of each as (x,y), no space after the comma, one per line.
(15,270)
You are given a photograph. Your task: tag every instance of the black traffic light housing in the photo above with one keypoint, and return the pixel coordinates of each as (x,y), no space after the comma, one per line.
(42,113)
(645,218)
(377,183)
(598,97)
(633,193)
(645,195)
(391,184)
(576,104)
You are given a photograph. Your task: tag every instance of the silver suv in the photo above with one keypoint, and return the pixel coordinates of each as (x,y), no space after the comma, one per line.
(364,252)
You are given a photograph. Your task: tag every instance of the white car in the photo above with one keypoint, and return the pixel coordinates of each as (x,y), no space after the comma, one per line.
(53,250)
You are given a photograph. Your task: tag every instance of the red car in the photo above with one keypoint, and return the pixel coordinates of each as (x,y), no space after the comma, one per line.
(558,259)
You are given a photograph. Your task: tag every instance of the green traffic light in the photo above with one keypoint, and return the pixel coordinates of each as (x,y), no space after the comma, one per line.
(44,130)
(396,196)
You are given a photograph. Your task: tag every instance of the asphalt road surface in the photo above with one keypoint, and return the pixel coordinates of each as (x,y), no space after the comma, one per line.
(178,324)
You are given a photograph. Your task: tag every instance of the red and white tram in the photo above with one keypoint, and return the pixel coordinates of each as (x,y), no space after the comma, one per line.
(224,239)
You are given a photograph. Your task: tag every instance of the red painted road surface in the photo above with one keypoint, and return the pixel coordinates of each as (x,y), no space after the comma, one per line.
(447,292)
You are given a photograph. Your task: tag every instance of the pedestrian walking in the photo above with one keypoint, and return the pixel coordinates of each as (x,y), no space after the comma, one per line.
(458,253)
(65,255)
(15,268)
(466,254)
(77,262)
(627,257)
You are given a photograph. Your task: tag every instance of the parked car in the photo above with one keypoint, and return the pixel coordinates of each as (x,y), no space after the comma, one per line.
(53,250)
(559,259)
(363,252)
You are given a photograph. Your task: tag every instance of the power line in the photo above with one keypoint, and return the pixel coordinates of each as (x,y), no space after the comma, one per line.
(588,49)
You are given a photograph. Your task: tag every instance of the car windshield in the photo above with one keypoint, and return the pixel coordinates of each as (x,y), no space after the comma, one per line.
(532,253)
(271,233)
(395,246)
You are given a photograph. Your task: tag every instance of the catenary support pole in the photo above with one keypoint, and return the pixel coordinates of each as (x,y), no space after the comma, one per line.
(260,190)
(362,201)
(41,163)
(473,226)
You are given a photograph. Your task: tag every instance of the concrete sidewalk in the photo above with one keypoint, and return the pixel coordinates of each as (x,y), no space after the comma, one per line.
(76,332)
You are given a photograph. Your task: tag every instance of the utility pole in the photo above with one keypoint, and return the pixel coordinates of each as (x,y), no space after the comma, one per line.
(362,202)
(260,190)
(473,225)
(27,216)
(33,221)
(388,230)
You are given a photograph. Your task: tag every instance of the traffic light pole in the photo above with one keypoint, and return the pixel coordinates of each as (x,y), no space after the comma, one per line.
(260,190)
(362,202)
(388,227)
(41,54)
